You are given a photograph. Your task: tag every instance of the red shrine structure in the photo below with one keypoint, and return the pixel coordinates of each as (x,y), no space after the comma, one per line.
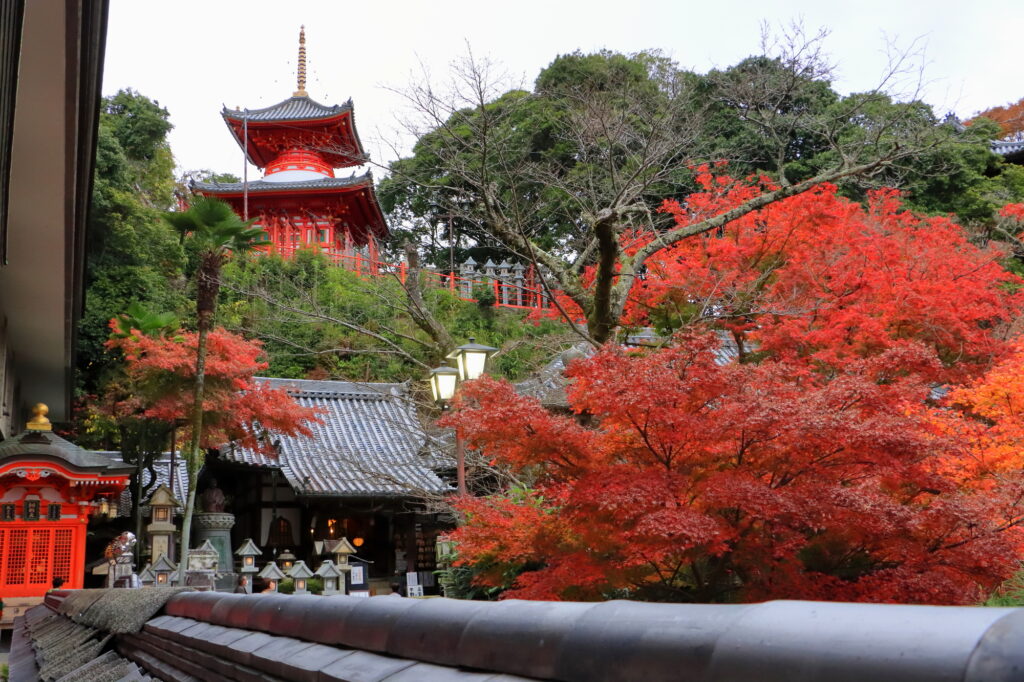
(300,203)
(49,489)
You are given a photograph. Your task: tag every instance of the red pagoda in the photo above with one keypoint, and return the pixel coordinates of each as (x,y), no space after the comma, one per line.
(299,203)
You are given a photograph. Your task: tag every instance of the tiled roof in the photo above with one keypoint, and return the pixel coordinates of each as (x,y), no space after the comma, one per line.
(548,385)
(46,444)
(291,109)
(369,444)
(162,467)
(1008,147)
(258,186)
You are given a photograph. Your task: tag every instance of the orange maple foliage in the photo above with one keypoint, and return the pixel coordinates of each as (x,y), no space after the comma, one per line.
(1009,117)
(236,408)
(987,420)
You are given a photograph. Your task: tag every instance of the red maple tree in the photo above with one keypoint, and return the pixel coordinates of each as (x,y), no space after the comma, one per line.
(160,371)
(708,482)
(810,466)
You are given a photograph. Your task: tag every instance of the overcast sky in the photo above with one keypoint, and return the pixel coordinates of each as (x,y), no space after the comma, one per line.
(194,57)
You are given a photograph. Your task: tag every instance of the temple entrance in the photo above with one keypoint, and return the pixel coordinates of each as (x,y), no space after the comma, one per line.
(31,557)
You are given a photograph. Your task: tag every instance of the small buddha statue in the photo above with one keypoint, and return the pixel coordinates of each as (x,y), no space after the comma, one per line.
(213,498)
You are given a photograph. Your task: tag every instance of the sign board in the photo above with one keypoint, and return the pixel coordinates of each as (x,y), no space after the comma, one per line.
(412,579)
(414,591)
(357,575)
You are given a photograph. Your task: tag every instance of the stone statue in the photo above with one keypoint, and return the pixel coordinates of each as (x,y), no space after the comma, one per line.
(118,554)
(213,498)
(122,545)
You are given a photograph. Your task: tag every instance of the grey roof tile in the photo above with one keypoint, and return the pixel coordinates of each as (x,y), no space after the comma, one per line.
(257,186)
(291,109)
(162,467)
(369,443)
(1008,147)
(49,444)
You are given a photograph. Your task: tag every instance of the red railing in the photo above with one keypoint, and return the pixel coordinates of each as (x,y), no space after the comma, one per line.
(507,293)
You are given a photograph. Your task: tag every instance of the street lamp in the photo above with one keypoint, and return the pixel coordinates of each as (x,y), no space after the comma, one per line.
(442,383)
(471,359)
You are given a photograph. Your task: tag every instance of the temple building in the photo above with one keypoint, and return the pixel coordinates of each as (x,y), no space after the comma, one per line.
(300,202)
(50,491)
(366,474)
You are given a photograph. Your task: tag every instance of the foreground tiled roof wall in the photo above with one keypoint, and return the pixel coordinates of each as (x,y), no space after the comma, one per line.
(215,636)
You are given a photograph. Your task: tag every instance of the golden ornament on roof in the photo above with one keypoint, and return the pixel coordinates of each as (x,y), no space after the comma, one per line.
(39,422)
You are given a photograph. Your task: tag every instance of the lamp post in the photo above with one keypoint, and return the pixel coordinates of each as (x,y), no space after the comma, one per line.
(470,361)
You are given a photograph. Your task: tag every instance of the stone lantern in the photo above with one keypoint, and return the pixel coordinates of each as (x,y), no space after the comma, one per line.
(248,551)
(273,574)
(342,549)
(202,566)
(146,577)
(287,560)
(163,569)
(161,530)
(332,575)
(300,573)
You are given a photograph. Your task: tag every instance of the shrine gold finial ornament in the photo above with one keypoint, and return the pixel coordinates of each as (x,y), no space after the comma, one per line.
(301,71)
(39,422)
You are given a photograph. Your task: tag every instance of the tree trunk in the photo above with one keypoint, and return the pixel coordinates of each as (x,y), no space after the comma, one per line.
(207,285)
(418,310)
(601,323)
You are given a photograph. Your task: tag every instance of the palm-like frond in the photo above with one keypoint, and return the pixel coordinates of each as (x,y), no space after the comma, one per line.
(214,226)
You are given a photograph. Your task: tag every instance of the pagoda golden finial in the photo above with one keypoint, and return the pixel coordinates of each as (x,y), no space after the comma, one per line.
(301,92)
(39,422)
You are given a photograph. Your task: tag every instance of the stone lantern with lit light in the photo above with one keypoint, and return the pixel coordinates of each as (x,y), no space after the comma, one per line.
(273,574)
(300,573)
(161,530)
(342,549)
(287,560)
(332,575)
(248,553)
(162,569)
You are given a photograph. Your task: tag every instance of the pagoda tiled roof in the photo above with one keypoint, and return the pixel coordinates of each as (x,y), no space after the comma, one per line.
(291,109)
(369,443)
(1008,147)
(35,444)
(262,186)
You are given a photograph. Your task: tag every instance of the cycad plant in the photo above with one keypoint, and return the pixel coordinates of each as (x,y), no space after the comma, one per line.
(215,233)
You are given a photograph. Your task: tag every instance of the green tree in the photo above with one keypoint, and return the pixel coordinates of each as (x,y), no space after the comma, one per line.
(132,255)
(321,321)
(215,233)
(564,175)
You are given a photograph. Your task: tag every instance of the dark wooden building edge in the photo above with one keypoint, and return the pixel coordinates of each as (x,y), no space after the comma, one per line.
(365,474)
(397,534)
